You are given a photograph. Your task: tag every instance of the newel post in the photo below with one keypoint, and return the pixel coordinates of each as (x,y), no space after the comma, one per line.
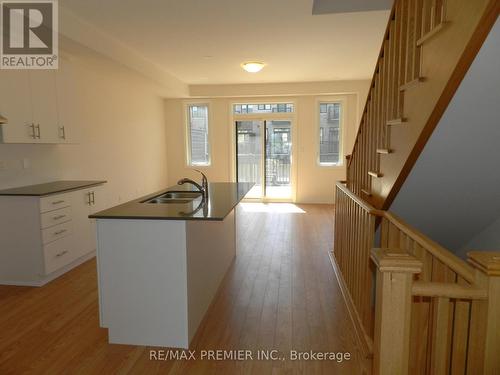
(488,265)
(393,299)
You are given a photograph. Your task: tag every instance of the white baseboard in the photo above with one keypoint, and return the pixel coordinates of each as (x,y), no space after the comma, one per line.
(54,275)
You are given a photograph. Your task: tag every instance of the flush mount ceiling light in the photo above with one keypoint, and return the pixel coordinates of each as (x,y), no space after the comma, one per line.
(253,66)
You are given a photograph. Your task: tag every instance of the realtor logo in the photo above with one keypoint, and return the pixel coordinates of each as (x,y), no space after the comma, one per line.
(29,35)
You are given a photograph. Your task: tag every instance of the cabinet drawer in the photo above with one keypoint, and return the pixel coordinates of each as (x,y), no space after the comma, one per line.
(56,232)
(58,254)
(54,202)
(52,218)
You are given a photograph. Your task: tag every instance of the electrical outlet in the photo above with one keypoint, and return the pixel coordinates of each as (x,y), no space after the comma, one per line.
(2,165)
(26,163)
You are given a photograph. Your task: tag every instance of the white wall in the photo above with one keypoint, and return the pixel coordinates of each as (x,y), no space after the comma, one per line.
(453,192)
(122,140)
(488,240)
(314,184)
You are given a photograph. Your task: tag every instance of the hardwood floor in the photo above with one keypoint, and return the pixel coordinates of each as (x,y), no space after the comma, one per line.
(280,294)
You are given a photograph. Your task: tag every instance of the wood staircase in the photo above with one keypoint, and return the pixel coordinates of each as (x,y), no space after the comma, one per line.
(427,49)
(417,308)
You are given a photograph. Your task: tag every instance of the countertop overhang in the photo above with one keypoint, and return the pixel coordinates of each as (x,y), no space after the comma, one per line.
(50,188)
(223,197)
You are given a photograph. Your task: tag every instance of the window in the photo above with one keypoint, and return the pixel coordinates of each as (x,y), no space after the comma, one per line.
(263,108)
(199,148)
(329,134)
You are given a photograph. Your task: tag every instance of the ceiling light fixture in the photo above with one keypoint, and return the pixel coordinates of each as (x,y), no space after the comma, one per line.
(253,66)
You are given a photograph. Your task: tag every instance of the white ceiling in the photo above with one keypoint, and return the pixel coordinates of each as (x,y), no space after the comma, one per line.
(204,41)
(342,6)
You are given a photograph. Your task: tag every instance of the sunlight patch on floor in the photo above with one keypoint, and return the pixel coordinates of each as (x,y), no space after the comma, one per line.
(284,208)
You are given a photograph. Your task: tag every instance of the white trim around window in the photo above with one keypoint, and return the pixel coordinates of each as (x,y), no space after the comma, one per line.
(187,133)
(343,110)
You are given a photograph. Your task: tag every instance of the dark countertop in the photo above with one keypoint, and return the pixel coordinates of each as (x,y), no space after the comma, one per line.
(49,188)
(223,197)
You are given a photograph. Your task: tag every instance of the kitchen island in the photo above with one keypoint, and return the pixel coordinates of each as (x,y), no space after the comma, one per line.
(161,264)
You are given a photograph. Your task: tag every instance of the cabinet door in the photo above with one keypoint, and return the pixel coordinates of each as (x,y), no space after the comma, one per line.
(97,199)
(69,110)
(83,228)
(15,105)
(43,94)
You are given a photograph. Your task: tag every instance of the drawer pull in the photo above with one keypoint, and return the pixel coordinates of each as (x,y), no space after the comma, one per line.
(59,217)
(61,253)
(57,202)
(59,232)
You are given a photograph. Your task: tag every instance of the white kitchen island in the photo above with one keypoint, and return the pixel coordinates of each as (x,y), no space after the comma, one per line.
(160,265)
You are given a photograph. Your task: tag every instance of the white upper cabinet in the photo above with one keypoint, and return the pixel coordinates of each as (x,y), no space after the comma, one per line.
(15,105)
(41,106)
(44,101)
(68,105)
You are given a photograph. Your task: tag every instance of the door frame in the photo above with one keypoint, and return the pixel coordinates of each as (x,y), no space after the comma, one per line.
(289,116)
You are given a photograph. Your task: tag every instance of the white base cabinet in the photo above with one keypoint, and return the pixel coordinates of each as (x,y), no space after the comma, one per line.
(43,237)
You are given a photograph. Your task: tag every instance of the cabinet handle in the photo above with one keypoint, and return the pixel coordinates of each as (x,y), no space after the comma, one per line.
(93,198)
(59,217)
(57,202)
(59,232)
(63,129)
(89,196)
(38,135)
(33,133)
(61,253)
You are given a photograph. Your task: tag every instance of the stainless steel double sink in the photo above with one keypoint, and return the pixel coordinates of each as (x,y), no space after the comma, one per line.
(174,197)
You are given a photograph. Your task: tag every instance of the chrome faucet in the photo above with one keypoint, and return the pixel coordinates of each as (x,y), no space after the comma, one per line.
(203,188)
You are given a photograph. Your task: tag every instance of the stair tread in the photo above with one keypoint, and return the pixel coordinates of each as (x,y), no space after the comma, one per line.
(366,192)
(375,174)
(431,33)
(384,151)
(396,121)
(411,83)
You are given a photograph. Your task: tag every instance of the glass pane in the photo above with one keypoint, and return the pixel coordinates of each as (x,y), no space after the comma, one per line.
(263,108)
(278,159)
(198,135)
(329,133)
(249,152)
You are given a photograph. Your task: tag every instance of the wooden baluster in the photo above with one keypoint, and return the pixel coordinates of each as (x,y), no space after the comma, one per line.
(410,28)
(417,32)
(393,237)
(384,233)
(488,276)
(395,272)
(440,336)
(426,17)
(380,143)
(432,20)
(390,78)
(403,21)
(397,59)
(460,334)
(385,94)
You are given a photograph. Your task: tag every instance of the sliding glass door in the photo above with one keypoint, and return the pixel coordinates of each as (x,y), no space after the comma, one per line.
(249,155)
(263,156)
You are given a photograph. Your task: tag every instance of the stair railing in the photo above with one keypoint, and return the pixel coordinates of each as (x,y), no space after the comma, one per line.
(417,308)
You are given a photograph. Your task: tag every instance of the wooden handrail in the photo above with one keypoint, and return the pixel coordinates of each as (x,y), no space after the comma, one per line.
(444,255)
(360,202)
(435,289)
